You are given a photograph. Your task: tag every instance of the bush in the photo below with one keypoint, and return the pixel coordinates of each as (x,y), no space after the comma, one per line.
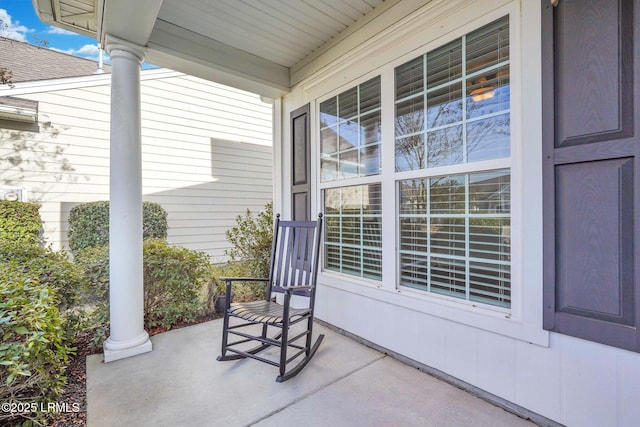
(251,241)
(177,284)
(33,351)
(20,222)
(53,269)
(89,224)
(94,263)
(154,221)
(38,294)
(176,281)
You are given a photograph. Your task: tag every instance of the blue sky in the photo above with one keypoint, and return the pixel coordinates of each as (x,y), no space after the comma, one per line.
(18,21)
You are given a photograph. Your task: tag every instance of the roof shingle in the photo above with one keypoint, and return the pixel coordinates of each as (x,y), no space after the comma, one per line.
(30,63)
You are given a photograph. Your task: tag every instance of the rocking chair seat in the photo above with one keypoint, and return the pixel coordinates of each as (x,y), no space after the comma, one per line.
(266,312)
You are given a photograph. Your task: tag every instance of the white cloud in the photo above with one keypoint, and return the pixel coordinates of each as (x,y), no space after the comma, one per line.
(60,31)
(89,51)
(12,30)
(68,51)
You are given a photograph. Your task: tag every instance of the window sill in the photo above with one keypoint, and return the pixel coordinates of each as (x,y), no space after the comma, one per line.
(495,320)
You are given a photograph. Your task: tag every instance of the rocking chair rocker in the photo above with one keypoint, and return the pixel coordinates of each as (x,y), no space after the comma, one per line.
(293,270)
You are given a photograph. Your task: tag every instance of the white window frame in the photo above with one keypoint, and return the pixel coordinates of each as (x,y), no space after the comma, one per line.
(517,322)
(459,169)
(346,182)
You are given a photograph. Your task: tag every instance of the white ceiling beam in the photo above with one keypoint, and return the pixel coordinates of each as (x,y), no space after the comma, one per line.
(247,70)
(130,20)
(218,75)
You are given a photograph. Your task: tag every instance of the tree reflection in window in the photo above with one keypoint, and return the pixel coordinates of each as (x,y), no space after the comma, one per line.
(461,114)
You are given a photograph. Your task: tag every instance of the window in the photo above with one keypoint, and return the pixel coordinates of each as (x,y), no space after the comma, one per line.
(451,148)
(434,124)
(350,133)
(352,238)
(350,148)
(455,236)
(452,109)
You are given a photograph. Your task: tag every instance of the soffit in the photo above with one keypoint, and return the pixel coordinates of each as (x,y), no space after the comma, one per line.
(74,15)
(231,41)
(281,31)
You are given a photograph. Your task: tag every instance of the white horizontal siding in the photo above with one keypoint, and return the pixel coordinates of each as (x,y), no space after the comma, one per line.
(201,213)
(206,153)
(226,111)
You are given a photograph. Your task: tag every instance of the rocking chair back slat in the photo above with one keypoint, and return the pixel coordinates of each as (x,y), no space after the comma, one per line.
(292,263)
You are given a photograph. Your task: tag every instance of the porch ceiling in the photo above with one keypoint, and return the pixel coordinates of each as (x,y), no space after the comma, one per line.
(259,46)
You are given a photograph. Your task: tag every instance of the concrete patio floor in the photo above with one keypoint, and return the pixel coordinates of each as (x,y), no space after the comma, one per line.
(346,384)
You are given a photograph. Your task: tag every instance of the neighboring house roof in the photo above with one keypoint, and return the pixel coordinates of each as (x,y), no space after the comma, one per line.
(30,63)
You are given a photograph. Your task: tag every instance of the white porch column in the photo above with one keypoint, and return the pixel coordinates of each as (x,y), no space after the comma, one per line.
(127,334)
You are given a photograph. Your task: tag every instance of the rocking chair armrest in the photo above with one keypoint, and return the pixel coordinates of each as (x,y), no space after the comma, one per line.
(296,288)
(229,280)
(243,279)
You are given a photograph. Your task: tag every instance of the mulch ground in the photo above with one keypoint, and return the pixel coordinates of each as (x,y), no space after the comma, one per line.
(76,388)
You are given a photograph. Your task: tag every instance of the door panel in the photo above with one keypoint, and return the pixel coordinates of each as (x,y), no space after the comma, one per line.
(593,70)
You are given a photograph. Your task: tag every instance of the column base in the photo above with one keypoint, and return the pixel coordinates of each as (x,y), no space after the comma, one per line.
(116,350)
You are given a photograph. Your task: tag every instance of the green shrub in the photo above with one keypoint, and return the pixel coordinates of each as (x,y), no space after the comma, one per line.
(33,350)
(89,224)
(177,284)
(154,221)
(51,268)
(20,222)
(251,241)
(94,263)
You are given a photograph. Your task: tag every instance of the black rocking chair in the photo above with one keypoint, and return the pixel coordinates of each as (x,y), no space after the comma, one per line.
(293,270)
